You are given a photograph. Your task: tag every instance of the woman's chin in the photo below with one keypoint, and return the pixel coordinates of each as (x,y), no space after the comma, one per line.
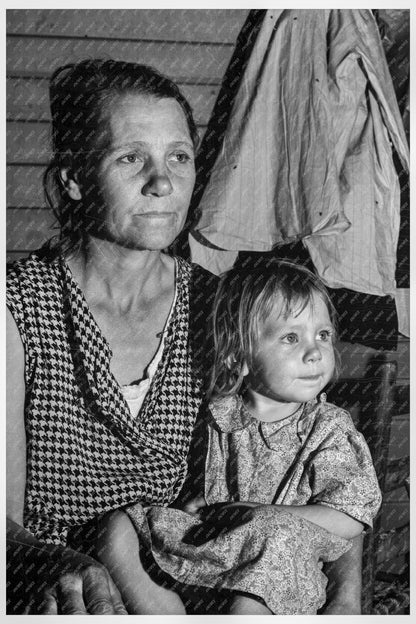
(159,241)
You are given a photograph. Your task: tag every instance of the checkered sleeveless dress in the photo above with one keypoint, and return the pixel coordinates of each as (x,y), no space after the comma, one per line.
(86,454)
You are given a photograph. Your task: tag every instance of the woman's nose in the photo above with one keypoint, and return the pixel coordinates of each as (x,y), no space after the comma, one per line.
(158,183)
(312,353)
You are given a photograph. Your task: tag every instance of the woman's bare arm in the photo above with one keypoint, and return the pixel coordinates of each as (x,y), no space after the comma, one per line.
(15,429)
(67,582)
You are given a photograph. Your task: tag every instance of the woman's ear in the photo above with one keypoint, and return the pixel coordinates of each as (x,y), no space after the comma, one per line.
(70,183)
(244,370)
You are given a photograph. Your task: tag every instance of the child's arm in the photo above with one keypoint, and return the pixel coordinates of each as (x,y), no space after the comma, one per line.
(332,520)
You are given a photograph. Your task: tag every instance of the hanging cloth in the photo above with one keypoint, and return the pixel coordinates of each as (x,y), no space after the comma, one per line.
(307,151)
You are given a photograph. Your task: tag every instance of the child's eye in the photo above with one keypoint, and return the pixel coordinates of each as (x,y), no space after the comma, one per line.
(290,338)
(325,335)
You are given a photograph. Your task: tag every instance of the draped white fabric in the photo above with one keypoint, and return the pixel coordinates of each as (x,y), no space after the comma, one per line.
(307,153)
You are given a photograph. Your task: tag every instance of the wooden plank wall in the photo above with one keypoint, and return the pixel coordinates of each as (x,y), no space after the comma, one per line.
(193,47)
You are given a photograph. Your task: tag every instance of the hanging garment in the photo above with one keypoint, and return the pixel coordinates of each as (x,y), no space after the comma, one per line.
(307,151)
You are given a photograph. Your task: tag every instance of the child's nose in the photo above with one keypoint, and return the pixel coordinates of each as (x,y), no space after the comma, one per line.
(312,353)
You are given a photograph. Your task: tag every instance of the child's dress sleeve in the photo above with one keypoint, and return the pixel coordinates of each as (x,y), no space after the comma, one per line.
(341,472)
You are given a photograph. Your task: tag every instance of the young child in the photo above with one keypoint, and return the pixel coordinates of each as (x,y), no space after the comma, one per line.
(288,479)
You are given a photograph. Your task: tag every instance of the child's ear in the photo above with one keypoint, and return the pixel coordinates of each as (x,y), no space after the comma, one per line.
(230,363)
(69,181)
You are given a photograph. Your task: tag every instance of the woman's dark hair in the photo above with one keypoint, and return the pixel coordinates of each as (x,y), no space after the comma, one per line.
(80,95)
(244,300)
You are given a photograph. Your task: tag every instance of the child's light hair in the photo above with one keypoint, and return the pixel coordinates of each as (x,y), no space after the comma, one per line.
(245,299)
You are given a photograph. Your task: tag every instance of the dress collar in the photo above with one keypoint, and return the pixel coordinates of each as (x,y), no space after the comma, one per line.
(231,415)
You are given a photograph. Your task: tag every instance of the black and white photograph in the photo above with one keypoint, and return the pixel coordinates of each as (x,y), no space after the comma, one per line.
(208,311)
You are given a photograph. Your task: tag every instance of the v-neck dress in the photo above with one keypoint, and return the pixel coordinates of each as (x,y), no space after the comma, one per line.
(86,453)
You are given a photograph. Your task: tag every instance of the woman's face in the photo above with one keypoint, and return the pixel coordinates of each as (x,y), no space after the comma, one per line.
(146,176)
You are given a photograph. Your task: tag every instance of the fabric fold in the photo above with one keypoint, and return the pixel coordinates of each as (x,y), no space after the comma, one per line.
(308,152)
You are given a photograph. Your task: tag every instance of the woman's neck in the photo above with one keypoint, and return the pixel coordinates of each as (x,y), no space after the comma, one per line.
(106,270)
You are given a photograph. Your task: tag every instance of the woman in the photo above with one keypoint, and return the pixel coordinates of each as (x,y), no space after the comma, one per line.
(106,333)
(103,308)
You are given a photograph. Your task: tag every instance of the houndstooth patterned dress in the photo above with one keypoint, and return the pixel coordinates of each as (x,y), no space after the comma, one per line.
(86,454)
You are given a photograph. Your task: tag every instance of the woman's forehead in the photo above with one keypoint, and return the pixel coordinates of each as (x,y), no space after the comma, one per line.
(136,117)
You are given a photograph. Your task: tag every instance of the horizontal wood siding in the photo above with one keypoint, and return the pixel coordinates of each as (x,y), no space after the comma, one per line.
(198,25)
(28,99)
(27,228)
(185,62)
(193,47)
(24,187)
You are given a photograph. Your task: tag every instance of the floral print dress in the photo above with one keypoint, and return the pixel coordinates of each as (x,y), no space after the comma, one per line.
(314,456)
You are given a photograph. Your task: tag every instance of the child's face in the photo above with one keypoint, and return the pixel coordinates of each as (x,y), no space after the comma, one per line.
(294,359)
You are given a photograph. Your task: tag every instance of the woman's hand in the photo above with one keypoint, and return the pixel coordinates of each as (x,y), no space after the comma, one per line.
(55,579)
(79,585)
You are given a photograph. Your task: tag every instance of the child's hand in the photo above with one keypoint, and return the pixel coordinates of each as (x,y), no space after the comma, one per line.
(228,514)
(194,505)
(215,519)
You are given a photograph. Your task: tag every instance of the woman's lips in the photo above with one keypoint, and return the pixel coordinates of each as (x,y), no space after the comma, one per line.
(155,215)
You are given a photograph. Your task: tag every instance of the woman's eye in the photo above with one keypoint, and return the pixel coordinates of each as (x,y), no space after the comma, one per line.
(290,338)
(130,159)
(180,157)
